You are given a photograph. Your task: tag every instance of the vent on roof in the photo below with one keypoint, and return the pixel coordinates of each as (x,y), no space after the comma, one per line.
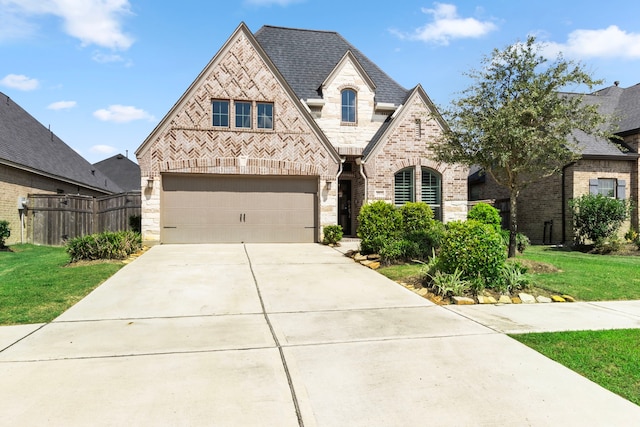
(617,83)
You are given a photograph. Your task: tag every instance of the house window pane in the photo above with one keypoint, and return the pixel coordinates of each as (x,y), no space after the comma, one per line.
(221,113)
(349,106)
(432,192)
(403,187)
(607,187)
(243,114)
(265,116)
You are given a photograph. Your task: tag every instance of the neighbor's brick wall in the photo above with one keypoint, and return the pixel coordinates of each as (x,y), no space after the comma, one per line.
(188,143)
(403,149)
(542,201)
(16,183)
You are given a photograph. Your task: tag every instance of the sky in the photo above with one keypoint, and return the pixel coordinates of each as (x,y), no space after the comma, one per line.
(103,73)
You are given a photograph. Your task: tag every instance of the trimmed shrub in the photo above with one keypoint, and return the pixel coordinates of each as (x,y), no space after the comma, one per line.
(380,226)
(596,217)
(416,217)
(486,214)
(476,249)
(5,232)
(107,245)
(332,234)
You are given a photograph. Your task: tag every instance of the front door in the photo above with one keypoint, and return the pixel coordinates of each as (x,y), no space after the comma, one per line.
(344,207)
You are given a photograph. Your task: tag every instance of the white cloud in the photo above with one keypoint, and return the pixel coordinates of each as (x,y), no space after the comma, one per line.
(447,25)
(106,58)
(96,22)
(272,2)
(611,42)
(61,105)
(103,149)
(122,114)
(20,82)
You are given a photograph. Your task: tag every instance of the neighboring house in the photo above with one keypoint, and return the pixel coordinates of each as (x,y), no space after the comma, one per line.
(34,160)
(286,131)
(122,171)
(605,167)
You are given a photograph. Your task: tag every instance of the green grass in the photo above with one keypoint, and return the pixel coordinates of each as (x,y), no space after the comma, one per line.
(588,277)
(402,272)
(36,286)
(609,358)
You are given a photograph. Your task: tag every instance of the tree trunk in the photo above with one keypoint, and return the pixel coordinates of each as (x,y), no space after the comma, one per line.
(513,222)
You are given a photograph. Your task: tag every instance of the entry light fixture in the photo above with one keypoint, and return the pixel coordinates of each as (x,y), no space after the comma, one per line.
(150,182)
(328,185)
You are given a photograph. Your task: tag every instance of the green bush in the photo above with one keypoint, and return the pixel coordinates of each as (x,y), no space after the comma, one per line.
(416,217)
(596,217)
(107,245)
(332,234)
(476,249)
(5,232)
(514,277)
(486,214)
(446,284)
(380,226)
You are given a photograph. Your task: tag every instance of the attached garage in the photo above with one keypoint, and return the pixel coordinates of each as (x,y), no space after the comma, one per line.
(199,208)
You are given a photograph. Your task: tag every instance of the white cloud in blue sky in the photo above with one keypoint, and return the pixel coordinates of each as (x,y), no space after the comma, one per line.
(103,149)
(122,114)
(608,43)
(93,22)
(20,82)
(61,105)
(447,25)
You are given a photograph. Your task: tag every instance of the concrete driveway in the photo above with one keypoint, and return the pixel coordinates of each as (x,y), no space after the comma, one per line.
(279,335)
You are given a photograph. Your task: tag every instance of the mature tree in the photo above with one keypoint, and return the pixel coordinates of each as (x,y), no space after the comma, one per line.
(515,122)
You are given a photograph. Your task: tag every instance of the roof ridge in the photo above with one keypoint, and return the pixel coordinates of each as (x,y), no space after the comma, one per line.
(297,29)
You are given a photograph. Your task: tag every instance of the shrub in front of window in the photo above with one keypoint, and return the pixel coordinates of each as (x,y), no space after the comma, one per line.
(476,249)
(597,217)
(380,225)
(332,234)
(5,233)
(486,214)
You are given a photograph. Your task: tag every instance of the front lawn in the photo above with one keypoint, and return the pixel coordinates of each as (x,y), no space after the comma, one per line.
(36,285)
(609,358)
(587,277)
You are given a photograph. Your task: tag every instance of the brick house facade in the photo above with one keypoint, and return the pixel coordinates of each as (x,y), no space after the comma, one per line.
(328,132)
(543,211)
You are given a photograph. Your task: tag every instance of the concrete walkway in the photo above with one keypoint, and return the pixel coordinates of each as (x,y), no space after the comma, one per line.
(280,335)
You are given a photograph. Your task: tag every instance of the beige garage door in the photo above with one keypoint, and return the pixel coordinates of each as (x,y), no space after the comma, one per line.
(234,209)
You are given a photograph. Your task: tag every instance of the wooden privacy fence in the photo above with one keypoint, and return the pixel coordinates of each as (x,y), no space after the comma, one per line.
(52,219)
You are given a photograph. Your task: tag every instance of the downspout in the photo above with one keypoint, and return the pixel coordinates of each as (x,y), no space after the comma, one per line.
(564,205)
(360,163)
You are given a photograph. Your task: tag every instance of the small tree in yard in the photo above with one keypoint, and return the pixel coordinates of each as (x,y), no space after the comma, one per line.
(597,217)
(514,122)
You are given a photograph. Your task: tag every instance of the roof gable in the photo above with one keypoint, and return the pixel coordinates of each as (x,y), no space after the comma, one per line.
(26,144)
(307,57)
(349,59)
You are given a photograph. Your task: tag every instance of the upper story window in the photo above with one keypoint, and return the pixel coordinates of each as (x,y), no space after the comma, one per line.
(243,115)
(348,106)
(221,113)
(265,115)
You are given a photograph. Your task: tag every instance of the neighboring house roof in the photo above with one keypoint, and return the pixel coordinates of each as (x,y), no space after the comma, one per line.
(26,144)
(306,57)
(124,172)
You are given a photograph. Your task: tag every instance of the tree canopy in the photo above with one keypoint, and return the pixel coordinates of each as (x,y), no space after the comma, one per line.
(515,122)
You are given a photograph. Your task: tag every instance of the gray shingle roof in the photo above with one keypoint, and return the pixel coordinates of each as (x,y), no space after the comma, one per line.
(124,172)
(306,57)
(25,142)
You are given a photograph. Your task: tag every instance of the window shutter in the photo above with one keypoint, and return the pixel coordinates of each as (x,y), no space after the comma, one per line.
(622,186)
(593,186)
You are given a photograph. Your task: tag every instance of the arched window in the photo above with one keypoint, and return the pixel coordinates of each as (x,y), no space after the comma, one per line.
(403,187)
(431,185)
(349,106)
